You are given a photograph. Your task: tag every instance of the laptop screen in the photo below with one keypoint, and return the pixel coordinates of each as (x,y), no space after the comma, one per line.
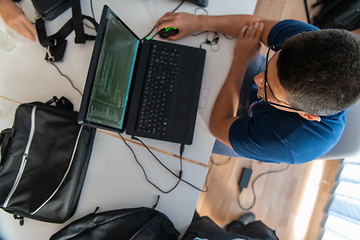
(110,92)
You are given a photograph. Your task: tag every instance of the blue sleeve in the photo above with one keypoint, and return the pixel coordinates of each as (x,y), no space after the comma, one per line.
(253,138)
(286,29)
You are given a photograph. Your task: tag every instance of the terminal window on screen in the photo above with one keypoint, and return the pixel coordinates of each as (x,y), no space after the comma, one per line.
(113,76)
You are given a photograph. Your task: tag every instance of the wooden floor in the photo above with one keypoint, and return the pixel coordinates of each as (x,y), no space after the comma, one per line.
(290,202)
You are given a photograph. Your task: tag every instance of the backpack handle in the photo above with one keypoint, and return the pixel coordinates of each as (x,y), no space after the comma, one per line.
(63,102)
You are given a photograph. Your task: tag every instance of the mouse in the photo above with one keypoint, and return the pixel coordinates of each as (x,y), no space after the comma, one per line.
(168,31)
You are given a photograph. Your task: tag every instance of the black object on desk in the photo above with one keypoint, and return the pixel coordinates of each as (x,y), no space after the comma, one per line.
(152,91)
(44,161)
(202,3)
(168,32)
(50,9)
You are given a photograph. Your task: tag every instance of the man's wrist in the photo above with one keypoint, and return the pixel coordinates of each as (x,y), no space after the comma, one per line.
(241,62)
(201,22)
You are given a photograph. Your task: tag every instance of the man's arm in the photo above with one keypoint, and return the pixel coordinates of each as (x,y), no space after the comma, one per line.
(227,24)
(225,108)
(15,18)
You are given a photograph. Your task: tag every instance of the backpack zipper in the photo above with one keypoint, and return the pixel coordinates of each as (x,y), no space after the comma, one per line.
(24,158)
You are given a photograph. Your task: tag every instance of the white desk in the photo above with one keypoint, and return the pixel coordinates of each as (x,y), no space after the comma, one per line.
(114,180)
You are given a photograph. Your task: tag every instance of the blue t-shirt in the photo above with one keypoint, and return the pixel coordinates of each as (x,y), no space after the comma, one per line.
(272,135)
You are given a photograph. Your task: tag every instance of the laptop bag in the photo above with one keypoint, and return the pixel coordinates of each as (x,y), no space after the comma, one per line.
(44,159)
(124,224)
(55,44)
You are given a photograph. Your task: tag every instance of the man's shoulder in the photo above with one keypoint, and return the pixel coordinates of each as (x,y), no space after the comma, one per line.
(283,137)
(286,29)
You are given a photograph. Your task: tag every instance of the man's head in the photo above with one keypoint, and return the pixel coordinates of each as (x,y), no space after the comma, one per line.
(320,71)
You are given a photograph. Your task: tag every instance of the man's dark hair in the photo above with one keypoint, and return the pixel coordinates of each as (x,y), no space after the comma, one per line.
(320,70)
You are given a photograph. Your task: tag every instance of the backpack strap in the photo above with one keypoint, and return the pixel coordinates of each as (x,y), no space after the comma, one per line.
(56,44)
(77,22)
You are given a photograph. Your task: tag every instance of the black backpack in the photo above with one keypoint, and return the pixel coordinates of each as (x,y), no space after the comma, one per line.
(339,14)
(134,223)
(44,159)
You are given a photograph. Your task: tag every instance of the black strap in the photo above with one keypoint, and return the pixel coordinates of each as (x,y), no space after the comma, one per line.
(77,21)
(63,102)
(307,12)
(53,43)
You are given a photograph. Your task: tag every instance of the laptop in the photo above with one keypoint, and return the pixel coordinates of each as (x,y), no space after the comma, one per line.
(147,88)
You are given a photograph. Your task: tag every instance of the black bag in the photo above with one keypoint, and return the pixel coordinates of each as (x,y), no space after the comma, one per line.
(44,159)
(340,14)
(50,9)
(134,223)
(56,44)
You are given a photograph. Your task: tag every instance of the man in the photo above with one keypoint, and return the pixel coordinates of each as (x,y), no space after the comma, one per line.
(15,18)
(297,105)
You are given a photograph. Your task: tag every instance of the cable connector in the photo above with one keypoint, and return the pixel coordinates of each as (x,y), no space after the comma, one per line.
(182,148)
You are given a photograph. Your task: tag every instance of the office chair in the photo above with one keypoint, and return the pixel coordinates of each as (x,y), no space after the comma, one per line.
(349,143)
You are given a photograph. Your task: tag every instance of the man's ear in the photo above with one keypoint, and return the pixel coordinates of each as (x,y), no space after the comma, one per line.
(310,117)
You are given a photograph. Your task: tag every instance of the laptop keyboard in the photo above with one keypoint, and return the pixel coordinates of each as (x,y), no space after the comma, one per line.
(158,88)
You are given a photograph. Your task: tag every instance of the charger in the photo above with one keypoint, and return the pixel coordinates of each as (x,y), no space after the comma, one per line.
(245,178)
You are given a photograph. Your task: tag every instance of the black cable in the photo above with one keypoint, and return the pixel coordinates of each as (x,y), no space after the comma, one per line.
(227,37)
(159,160)
(146,177)
(213,42)
(253,190)
(155,25)
(151,32)
(307,11)
(89,26)
(197,34)
(215,39)
(212,163)
(72,84)
(178,6)
(92,9)
(181,150)
(93,15)
(220,164)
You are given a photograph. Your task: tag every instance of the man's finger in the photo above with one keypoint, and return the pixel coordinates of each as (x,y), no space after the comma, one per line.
(249,30)
(15,26)
(243,31)
(30,27)
(259,31)
(166,17)
(25,32)
(254,30)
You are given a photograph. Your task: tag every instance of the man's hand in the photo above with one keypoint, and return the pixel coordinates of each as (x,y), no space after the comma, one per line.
(185,22)
(15,18)
(248,45)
